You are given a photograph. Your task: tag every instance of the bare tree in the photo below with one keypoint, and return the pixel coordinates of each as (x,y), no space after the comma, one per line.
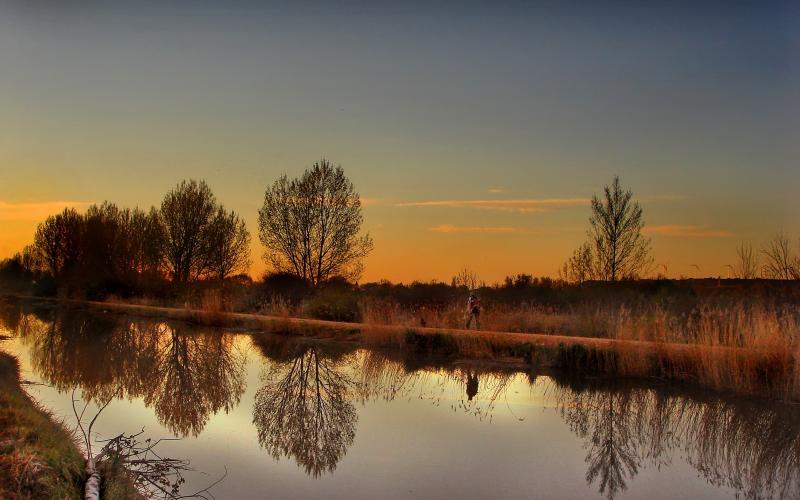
(621,251)
(47,246)
(227,245)
(58,242)
(466,278)
(581,266)
(186,213)
(781,263)
(147,236)
(746,266)
(311,226)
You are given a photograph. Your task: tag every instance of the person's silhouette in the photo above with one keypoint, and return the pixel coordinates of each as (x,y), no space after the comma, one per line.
(472,385)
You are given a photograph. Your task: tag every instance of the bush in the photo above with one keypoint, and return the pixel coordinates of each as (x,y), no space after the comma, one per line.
(334,304)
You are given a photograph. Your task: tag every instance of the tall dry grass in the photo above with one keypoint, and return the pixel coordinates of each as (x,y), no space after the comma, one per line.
(525,318)
(747,348)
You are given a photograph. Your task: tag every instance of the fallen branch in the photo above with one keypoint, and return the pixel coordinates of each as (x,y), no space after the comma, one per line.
(151,474)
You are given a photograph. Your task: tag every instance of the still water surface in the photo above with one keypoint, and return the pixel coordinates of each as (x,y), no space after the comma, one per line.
(299,419)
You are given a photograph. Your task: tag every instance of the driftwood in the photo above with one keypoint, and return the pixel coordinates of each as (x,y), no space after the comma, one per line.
(149,473)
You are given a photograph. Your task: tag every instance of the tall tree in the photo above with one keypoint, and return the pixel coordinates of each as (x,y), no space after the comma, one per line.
(620,249)
(311,226)
(58,242)
(227,245)
(186,213)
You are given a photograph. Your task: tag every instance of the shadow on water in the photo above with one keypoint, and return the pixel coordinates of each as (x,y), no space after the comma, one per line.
(306,408)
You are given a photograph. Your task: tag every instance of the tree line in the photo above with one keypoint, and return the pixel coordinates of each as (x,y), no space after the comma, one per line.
(310,227)
(189,237)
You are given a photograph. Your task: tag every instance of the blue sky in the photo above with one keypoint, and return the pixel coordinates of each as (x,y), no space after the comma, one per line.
(694,106)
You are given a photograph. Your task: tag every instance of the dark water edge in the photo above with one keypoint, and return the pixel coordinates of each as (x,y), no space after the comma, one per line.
(297,418)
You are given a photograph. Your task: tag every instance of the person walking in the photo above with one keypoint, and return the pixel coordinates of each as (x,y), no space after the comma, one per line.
(473,310)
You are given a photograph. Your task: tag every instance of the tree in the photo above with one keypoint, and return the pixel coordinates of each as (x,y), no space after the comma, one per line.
(466,278)
(58,242)
(620,249)
(781,263)
(148,235)
(186,213)
(227,245)
(746,266)
(311,226)
(581,266)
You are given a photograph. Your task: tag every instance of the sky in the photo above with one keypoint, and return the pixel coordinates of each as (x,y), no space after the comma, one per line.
(475,132)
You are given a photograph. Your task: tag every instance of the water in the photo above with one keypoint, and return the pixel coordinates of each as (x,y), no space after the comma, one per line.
(302,419)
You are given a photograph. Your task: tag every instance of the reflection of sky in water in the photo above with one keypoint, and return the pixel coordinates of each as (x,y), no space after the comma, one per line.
(412,433)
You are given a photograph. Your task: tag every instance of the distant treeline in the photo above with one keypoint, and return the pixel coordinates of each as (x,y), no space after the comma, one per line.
(310,228)
(112,250)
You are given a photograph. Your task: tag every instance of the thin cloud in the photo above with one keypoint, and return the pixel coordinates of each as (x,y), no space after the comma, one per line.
(522,206)
(449,228)
(687,231)
(666,198)
(495,190)
(35,210)
(368,202)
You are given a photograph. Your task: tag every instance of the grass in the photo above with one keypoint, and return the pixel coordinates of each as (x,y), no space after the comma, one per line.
(747,347)
(38,455)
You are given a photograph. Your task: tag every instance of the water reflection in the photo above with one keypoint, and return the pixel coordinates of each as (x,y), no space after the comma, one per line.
(184,374)
(389,377)
(307,405)
(742,444)
(304,409)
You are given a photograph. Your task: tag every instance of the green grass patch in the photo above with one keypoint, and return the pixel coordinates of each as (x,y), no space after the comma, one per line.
(38,456)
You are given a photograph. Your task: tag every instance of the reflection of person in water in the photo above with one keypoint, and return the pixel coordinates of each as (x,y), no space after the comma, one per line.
(472,385)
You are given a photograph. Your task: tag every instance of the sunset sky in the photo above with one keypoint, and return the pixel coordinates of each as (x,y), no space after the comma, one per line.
(475,133)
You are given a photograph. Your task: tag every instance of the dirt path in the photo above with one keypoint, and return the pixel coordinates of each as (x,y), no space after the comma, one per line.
(260,321)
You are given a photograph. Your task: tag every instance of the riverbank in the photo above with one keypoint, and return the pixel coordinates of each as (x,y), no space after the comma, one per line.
(38,455)
(760,368)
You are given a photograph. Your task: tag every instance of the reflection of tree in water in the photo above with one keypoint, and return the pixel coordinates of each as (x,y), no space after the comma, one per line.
(185,377)
(606,422)
(196,376)
(303,410)
(749,446)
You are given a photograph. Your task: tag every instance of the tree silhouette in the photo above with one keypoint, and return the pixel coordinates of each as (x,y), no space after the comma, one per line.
(186,212)
(311,226)
(620,250)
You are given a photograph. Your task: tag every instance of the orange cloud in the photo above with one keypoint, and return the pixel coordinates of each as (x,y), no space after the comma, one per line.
(36,210)
(686,231)
(495,190)
(523,206)
(449,228)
